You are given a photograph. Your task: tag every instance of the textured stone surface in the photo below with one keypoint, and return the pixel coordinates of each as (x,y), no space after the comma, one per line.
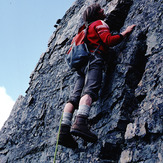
(128,115)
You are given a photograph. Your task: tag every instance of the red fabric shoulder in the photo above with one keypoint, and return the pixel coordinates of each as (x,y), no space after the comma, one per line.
(99,31)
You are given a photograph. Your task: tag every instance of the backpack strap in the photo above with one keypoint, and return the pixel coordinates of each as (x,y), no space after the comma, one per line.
(86,40)
(86,32)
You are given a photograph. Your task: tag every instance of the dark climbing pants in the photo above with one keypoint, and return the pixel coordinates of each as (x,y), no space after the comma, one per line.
(88,81)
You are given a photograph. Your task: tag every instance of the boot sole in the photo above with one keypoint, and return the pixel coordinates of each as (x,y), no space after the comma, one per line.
(84,136)
(68,145)
(65,142)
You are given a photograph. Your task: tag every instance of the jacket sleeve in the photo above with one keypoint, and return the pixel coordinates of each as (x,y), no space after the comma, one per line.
(105,35)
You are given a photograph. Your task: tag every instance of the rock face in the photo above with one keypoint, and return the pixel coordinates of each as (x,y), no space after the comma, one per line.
(128,115)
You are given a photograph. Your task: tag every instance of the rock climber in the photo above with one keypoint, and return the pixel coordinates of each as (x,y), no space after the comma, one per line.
(88,82)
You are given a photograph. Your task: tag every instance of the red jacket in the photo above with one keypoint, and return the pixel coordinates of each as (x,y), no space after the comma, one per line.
(99,31)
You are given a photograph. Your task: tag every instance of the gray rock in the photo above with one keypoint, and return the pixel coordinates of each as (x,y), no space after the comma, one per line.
(128,115)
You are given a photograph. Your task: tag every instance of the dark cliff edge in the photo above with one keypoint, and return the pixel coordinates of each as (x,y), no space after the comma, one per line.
(128,115)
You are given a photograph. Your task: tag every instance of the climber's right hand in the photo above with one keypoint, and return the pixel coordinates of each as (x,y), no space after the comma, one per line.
(128,30)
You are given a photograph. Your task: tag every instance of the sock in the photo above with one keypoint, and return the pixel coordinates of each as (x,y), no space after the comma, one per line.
(67,117)
(83,110)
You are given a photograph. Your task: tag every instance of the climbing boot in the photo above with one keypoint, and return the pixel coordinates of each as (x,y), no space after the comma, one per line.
(80,128)
(65,138)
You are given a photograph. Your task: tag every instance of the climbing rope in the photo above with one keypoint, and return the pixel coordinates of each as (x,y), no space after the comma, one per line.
(61,86)
(55,154)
